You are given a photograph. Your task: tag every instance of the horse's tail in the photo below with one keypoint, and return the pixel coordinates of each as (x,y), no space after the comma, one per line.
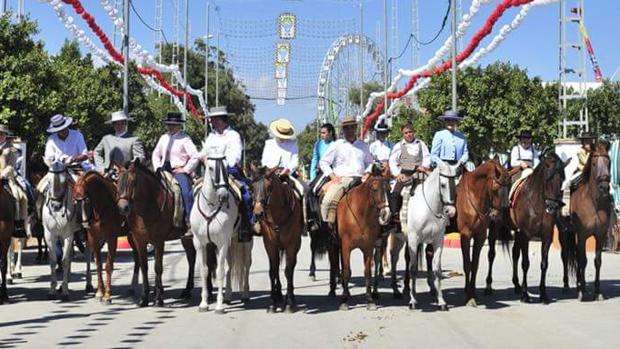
(212,259)
(320,241)
(241,260)
(503,233)
(568,242)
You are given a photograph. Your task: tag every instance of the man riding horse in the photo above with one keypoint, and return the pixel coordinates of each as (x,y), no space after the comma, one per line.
(65,145)
(381,148)
(344,162)
(120,146)
(282,152)
(8,163)
(524,155)
(450,145)
(225,140)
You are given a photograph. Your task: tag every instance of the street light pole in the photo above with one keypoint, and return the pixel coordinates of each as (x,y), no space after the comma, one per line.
(385,48)
(185,54)
(126,54)
(217,70)
(454,66)
(207,71)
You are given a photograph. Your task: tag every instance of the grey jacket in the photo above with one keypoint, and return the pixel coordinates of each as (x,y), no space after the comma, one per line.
(119,149)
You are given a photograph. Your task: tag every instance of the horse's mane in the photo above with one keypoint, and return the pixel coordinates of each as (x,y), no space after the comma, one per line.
(538,176)
(102,180)
(144,168)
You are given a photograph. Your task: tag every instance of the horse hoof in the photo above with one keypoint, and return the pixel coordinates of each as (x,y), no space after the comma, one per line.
(371,307)
(290,309)
(312,278)
(89,288)
(203,309)
(488,291)
(599,297)
(443,307)
(343,306)
(472,303)
(581,296)
(414,306)
(219,311)
(545,299)
(332,293)
(525,298)
(271,309)
(107,302)
(159,303)
(144,303)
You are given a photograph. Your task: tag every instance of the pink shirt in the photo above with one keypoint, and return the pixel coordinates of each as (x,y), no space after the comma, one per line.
(178,149)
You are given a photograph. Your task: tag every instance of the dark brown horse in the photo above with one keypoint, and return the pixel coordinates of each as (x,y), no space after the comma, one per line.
(534,213)
(96,198)
(360,214)
(590,210)
(7,227)
(148,207)
(481,197)
(280,214)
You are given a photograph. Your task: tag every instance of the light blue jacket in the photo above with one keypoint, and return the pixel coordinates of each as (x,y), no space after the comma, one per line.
(320,147)
(449,146)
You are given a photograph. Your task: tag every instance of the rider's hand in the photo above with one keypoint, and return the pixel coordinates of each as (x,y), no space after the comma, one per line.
(178,170)
(524,165)
(423,169)
(334,178)
(285,172)
(401,178)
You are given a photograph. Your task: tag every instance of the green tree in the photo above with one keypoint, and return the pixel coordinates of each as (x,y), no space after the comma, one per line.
(369,87)
(604,108)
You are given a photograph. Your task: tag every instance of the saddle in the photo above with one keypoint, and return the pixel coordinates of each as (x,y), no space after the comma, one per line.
(171,184)
(233,187)
(515,190)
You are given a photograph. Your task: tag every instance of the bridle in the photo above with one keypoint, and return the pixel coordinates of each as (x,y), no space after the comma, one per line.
(264,198)
(54,204)
(504,186)
(452,188)
(218,181)
(553,204)
(378,206)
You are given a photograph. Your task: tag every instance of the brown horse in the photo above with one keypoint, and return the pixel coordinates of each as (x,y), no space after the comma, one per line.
(280,214)
(148,207)
(590,210)
(533,214)
(481,197)
(96,198)
(359,217)
(7,227)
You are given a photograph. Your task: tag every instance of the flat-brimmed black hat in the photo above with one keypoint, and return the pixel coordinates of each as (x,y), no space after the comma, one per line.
(174,118)
(587,135)
(525,134)
(450,115)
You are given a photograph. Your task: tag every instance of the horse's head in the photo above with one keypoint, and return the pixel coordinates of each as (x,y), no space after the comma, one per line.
(217,176)
(498,180)
(126,186)
(262,184)
(58,184)
(599,169)
(553,172)
(447,187)
(379,186)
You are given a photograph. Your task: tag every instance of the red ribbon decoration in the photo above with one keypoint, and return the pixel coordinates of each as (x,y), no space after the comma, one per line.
(117,56)
(473,44)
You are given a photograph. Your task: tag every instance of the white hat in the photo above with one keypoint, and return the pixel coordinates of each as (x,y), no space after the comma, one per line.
(218,111)
(282,129)
(118,116)
(59,122)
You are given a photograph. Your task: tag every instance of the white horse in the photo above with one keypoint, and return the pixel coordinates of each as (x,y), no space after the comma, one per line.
(59,222)
(429,211)
(213,220)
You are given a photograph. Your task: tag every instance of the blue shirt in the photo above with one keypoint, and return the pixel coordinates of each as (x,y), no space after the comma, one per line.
(449,146)
(317,153)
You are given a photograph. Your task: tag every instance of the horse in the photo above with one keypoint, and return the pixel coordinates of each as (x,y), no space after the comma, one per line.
(533,213)
(360,214)
(429,212)
(590,211)
(279,212)
(148,208)
(481,197)
(36,169)
(214,219)
(7,227)
(95,196)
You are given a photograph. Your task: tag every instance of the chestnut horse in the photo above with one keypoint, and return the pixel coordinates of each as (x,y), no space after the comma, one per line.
(96,198)
(590,210)
(7,227)
(360,214)
(280,214)
(534,213)
(148,207)
(482,196)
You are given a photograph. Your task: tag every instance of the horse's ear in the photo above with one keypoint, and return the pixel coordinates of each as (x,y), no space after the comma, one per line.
(386,170)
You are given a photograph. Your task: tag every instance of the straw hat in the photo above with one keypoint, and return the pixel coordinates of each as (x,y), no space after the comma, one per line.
(348,121)
(282,129)
(118,116)
(58,123)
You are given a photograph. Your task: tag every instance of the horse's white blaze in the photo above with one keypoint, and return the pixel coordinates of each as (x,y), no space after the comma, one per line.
(385,215)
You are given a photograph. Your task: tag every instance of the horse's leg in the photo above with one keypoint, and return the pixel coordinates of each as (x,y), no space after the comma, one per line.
(397,245)
(478,243)
(190,254)
(204,275)
(3,270)
(429,252)
(598,296)
(88,252)
(582,262)
(100,286)
(437,250)
(492,238)
(516,251)
(8,256)
(109,268)
(159,269)
(67,254)
(39,258)
(222,271)
(245,295)
(144,269)
(407,277)
(346,274)
(372,293)
(525,266)
(565,259)
(379,251)
(544,264)
(21,242)
(289,272)
(136,266)
(312,274)
(211,263)
(334,266)
(228,290)
(51,243)
(413,269)
(465,251)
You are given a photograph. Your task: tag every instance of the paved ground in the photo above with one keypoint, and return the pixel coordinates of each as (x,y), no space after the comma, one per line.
(30,320)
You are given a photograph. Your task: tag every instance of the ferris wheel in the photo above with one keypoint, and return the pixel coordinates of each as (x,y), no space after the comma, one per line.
(350,60)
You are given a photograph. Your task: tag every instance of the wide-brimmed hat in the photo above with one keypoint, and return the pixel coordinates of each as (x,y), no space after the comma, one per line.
(587,135)
(381,127)
(5,129)
(525,134)
(282,129)
(174,118)
(450,115)
(59,122)
(218,111)
(118,116)
(349,121)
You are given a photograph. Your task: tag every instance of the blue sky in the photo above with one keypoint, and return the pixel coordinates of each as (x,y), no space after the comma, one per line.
(533,46)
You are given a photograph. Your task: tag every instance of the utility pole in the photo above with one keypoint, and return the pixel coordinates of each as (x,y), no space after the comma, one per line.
(207,70)
(454,66)
(185,54)
(126,54)
(217,70)
(361,51)
(20,10)
(385,49)
(3,5)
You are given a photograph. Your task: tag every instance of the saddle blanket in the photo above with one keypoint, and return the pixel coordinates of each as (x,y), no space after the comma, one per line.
(515,190)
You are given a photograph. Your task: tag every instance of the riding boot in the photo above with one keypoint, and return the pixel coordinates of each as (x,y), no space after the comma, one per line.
(245,228)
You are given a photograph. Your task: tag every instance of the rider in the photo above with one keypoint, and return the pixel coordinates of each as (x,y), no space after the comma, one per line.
(409,162)
(450,145)
(381,148)
(120,147)
(345,161)
(176,153)
(583,153)
(65,145)
(524,155)
(223,137)
(328,135)
(282,152)
(8,164)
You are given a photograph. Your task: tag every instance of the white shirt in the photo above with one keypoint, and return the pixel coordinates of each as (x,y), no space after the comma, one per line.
(57,149)
(412,148)
(284,154)
(346,159)
(227,143)
(177,148)
(519,153)
(380,150)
